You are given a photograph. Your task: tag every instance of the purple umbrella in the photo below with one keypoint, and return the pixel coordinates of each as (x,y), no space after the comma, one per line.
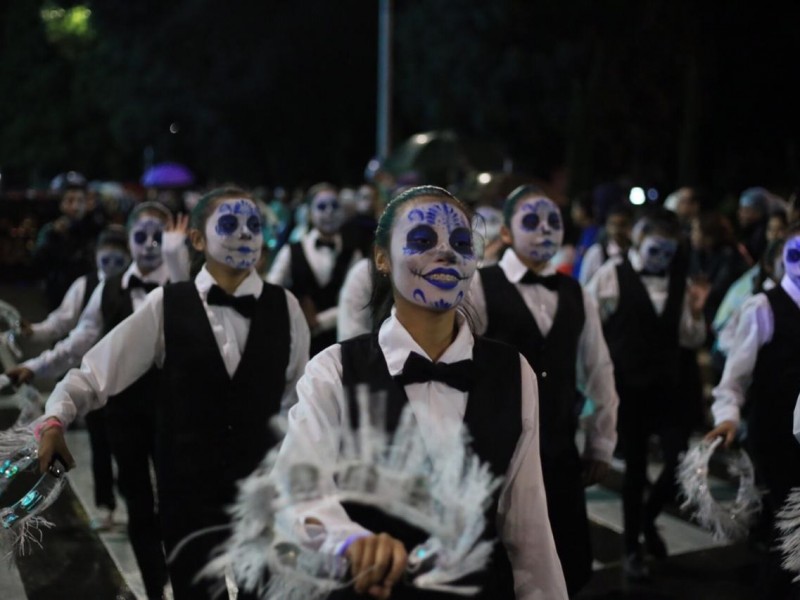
(167,175)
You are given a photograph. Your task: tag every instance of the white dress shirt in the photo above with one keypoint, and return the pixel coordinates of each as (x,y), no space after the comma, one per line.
(355,316)
(522,521)
(755,329)
(595,257)
(604,288)
(68,353)
(595,371)
(137,344)
(322,262)
(61,321)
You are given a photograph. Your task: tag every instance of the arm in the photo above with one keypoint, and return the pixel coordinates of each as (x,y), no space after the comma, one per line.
(592,260)
(176,253)
(354,317)
(298,352)
(522,512)
(280,273)
(59,322)
(603,287)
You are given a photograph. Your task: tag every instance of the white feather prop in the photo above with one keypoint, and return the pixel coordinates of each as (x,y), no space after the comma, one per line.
(725,522)
(10,326)
(788,523)
(445,497)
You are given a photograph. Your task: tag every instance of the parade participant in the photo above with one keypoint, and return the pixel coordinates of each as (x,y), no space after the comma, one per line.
(425,356)
(556,326)
(230,350)
(763,369)
(649,312)
(354,316)
(613,242)
(314,268)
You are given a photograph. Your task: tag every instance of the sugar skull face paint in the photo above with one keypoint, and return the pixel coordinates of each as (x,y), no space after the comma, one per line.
(791,259)
(111,262)
(536,228)
(233,233)
(432,254)
(488,220)
(326,212)
(657,253)
(145,242)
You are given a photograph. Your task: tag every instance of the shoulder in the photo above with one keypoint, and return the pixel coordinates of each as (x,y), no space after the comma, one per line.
(325,367)
(487,348)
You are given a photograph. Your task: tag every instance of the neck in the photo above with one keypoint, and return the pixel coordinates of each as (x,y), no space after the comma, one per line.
(537,266)
(226,277)
(144,271)
(327,237)
(433,331)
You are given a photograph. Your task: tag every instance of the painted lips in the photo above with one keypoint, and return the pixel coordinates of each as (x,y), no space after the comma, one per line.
(445,279)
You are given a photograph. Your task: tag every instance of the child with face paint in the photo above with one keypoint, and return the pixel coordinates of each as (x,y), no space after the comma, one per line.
(424,259)
(649,313)
(227,350)
(763,369)
(613,242)
(314,268)
(545,315)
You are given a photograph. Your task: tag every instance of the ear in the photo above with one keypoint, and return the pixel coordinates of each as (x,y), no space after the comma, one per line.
(382,261)
(505,235)
(197,239)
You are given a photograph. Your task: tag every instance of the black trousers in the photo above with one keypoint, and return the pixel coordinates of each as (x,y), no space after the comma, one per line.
(102,468)
(131,427)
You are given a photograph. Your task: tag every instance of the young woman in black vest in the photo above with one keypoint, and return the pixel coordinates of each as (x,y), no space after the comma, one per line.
(649,312)
(763,370)
(314,268)
(228,350)
(545,315)
(423,262)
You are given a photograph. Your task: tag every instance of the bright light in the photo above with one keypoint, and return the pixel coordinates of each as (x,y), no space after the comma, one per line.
(422,138)
(652,194)
(174,128)
(637,196)
(484,178)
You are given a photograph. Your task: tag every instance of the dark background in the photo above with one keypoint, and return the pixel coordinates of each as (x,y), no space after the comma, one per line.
(282,92)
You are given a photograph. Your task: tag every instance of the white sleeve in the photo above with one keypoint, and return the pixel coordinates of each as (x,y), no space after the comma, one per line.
(522,511)
(298,352)
(474,305)
(603,287)
(354,317)
(755,328)
(692,330)
(592,261)
(117,361)
(176,256)
(280,273)
(796,425)
(595,378)
(63,319)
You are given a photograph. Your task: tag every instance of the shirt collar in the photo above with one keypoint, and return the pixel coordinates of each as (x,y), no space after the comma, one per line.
(396,344)
(159,276)
(515,269)
(251,286)
(314,235)
(791,288)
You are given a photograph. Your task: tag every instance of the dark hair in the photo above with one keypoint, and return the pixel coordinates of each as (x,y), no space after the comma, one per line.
(793,230)
(149,208)
(381,299)
(659,221)
(765,265)
(320,187)
(200,214)
(115,236)
(511,200)
(717,229)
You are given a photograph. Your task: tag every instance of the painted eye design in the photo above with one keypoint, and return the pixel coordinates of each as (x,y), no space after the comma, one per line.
(254,224)
(792,255)
(530,221)
(139,237)
(421,239)
(461,241)
(227,225)
(554,220)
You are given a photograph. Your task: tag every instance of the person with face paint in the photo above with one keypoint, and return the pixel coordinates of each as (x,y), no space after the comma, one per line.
(487,222)
(524,302)
(613,242)
(314,268)
(763,369)
(423,263)
(228,350)
(649,313)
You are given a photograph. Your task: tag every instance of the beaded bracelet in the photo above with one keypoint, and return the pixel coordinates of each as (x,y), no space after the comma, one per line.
(49,423)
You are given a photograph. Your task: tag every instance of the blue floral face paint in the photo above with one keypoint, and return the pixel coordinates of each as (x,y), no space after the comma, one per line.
(111,262)
(432,254)
(657,253)
(233,233)
(326,212)
(791,259)
(537,229)
(145,243)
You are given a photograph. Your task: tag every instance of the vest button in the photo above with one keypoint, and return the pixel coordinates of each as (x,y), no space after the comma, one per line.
(544,374)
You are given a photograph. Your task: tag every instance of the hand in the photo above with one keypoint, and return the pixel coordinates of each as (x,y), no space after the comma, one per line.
(25,328)
(698,290)
(726,430)
(376,562)
(310,311)
(180,224)
(52,444)
(594,471)
(20,375)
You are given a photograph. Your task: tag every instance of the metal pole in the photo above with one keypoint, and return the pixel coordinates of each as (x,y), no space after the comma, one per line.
(382,137)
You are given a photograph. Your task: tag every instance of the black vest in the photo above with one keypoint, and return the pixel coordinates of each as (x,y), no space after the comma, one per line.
(553,358)
(304,283)
(644,346)
(91,283)
(493,419)
(212,430)
(776,385)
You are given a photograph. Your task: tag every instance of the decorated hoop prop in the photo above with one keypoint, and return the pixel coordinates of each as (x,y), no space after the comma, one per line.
(26,397)
(726,523)
(446,498)
(10,328)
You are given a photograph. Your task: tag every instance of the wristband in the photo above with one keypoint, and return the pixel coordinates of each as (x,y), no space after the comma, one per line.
(346,544)
(49,423)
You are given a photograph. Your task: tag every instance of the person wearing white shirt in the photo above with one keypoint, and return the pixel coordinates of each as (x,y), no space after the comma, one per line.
(614,242)
(555,325)
(354,316)
(228,350)
(649,312)
(763,370)
(425,255)
(314,268)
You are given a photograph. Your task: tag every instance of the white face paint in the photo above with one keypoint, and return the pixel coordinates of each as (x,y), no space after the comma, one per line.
(536,228)
(657,252)
(111,262)
(488,220)
(791,259)
(145,242)
(326,212)
(432,254)
(233,233)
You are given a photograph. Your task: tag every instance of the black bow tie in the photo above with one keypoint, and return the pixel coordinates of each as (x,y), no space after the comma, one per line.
(646,273)
(134,282)
(244,305)
(548,281)
(418,369)
(325,244)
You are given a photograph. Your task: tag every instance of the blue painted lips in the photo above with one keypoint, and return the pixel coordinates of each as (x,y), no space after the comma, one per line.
(445,279)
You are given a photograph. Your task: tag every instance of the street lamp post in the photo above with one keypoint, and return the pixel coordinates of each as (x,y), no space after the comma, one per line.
(382,136)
